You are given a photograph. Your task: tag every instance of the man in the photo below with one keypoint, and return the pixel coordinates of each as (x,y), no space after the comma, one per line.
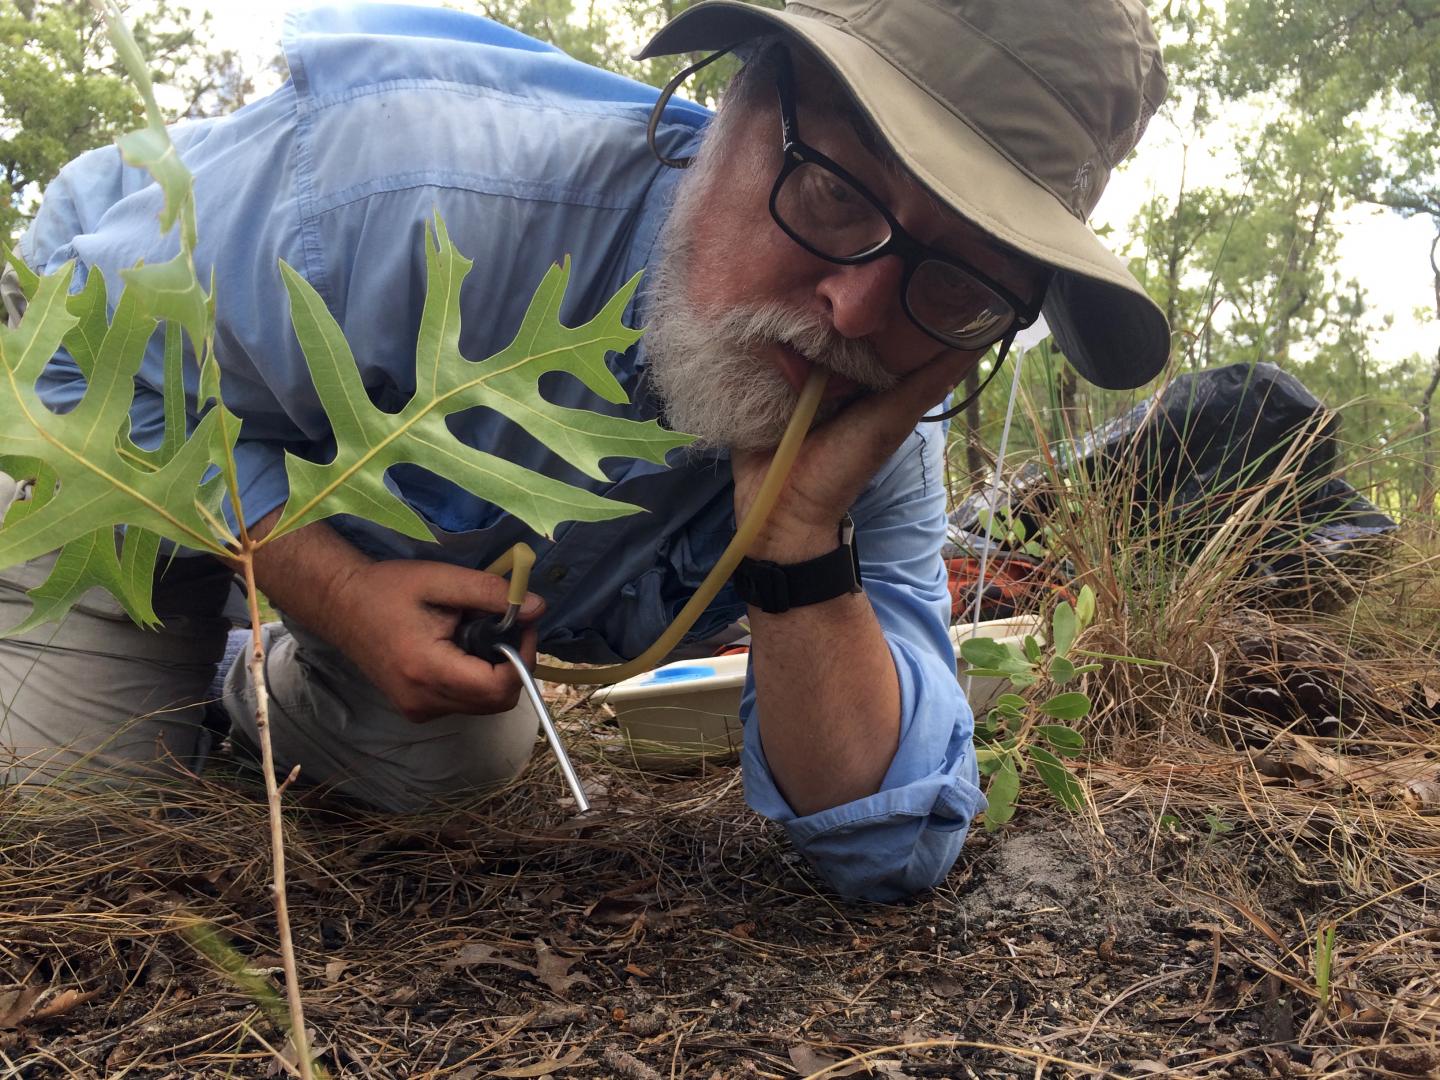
(889,190)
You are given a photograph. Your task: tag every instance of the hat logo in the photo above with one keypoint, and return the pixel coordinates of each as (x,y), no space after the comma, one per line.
(1082,185)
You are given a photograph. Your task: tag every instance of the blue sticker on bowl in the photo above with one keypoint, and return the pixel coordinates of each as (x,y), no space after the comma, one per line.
(680,674)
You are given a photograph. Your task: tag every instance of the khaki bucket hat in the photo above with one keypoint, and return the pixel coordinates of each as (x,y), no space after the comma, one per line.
(1014,113)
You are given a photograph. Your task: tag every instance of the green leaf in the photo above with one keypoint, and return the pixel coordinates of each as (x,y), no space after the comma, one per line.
(1063,740)
(149,147)
(29,280)
(1010,701)
(1085,606)
(1032,649)
(1059,779)
(1001,794)
(91,311)
(169,291)
(988,760)
(100,478)
(1069,706)
(983,652)
(1065,628)
(1061,670)
(369,440)
(91,561)
(1218,825)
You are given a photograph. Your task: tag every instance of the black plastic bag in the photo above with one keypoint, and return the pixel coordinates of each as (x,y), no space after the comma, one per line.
(1192,457)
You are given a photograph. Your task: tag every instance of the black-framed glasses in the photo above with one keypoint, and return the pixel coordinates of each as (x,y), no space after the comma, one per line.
(831,214)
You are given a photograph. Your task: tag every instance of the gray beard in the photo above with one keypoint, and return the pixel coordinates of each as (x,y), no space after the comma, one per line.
(708,366)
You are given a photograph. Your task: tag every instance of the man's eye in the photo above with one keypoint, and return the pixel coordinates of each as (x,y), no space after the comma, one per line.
(827,194)
(949,285)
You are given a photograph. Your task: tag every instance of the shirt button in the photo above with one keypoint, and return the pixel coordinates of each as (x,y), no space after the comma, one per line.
(556,574)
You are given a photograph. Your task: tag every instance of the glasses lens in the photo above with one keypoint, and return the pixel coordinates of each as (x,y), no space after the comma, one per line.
(952,304)
(828,214)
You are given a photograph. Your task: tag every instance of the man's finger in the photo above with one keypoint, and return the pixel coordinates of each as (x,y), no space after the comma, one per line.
(882,421)
(476,685)
(475,590)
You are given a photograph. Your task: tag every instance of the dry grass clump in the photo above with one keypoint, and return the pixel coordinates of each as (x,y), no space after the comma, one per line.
(1279,727)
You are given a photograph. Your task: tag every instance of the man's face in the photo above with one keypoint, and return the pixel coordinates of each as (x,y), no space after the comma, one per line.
(741,312)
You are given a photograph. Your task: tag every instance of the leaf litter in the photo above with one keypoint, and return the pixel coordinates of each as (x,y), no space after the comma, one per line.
(678,935)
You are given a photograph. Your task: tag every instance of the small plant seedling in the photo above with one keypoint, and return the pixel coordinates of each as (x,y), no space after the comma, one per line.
(1324,965)
(1218,825)
(107,503)
(1018,735)
(1005,528)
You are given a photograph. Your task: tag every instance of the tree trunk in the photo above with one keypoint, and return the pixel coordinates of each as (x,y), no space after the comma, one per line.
(1429,481)
(1292,291)
(974,459)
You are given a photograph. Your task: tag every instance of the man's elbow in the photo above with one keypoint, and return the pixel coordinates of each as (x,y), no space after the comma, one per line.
(898,861)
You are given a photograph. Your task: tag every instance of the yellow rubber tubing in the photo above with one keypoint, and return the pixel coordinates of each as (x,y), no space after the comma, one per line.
(765,499)
(516,562)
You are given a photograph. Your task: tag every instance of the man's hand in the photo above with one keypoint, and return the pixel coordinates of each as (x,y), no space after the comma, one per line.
(839,458)
(395,619)
(403,615)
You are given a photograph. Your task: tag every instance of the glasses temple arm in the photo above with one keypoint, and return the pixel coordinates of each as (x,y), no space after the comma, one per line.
(956,410)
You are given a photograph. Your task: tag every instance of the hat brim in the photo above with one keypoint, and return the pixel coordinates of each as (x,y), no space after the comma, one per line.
(1106,324)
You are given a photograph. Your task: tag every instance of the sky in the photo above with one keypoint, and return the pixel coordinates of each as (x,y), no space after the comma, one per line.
(1387,254)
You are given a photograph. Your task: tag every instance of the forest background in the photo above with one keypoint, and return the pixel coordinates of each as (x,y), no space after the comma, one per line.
(1288,128)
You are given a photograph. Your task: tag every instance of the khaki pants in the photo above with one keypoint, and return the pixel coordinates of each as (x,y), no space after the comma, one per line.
(327,717)
(96,696)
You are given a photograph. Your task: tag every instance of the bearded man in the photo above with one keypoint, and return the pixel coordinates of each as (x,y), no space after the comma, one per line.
(889,190)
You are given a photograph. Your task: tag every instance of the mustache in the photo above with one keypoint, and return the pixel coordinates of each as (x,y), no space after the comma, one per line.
(750,329)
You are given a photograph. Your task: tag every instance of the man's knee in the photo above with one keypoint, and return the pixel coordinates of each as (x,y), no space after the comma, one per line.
(326,717)
(95,693)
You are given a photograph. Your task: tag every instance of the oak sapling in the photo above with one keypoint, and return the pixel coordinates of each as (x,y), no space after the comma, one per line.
(107,503)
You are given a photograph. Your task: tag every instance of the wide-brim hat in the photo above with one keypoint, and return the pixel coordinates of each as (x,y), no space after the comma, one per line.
(1012,112)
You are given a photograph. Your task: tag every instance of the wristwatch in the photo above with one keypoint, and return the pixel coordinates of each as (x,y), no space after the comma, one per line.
(778,587)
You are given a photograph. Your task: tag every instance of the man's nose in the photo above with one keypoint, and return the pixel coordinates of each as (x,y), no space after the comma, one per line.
(863,299)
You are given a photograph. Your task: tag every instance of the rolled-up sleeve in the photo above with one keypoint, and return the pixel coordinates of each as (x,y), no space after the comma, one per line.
(904,838)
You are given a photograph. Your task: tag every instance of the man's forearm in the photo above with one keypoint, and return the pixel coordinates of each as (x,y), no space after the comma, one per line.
(826,693)
(827,699)
(304,575)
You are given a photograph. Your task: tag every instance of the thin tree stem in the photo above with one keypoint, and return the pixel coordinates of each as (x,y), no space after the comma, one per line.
(298,1037)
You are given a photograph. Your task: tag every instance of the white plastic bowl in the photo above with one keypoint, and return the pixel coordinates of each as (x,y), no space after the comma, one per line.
(681,711)
(690,709)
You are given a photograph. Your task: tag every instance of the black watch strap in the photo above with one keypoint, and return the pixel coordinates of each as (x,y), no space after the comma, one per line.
(776,587)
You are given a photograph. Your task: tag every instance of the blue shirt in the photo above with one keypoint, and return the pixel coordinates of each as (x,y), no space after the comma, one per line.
(391,114)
